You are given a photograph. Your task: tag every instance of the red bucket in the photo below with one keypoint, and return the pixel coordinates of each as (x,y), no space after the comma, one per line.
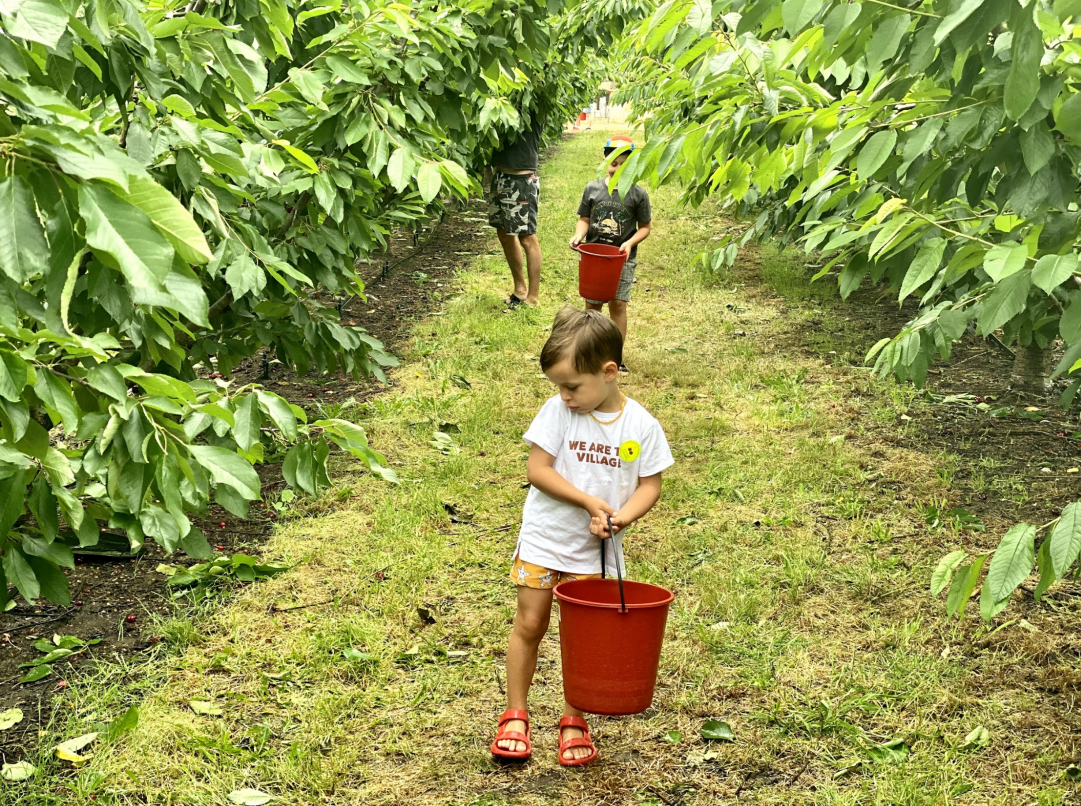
(599,268)
(610,656)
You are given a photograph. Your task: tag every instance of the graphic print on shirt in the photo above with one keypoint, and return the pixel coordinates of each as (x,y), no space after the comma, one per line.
(610,220)
(595,453)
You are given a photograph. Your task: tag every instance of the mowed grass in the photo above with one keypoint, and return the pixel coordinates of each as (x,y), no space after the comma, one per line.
(790,529)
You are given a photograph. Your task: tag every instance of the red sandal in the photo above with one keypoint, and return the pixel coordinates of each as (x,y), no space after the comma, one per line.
(513,755)
(579,741)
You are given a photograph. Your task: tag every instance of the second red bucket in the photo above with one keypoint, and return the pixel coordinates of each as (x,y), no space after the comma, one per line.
(611,652)
(599,268)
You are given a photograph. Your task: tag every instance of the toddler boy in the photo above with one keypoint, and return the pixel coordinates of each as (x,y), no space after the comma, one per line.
(605,217)
(593,453)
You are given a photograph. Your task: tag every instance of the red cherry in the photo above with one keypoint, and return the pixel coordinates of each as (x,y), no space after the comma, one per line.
(62,684)
(154,640)
(311,394)
(222,524)
(130,618)
(378,574)
(78,602)
(220,548)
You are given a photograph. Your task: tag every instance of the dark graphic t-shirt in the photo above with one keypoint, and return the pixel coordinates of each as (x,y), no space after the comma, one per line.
(613,220)
(520,152)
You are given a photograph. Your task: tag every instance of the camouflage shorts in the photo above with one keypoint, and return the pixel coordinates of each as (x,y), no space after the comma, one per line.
(513,202)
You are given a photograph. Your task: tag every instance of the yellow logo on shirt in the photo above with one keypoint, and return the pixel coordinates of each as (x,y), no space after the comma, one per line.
(630,450)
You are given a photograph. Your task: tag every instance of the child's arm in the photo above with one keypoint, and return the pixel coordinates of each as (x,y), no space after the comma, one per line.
(640,235)
(580,230)
(543,476)
(641,502)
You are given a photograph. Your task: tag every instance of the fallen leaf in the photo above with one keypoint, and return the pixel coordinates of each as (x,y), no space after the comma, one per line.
(10,717)
(673,737)
(891,752)
(38,672)
(69,750)
(17,772)
(979,737)
(204,708)
(715,729)
(249,797)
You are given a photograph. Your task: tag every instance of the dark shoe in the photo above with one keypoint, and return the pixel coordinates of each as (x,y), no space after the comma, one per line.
(515,301)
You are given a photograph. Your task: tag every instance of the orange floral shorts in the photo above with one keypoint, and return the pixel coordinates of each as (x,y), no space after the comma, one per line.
(529,575)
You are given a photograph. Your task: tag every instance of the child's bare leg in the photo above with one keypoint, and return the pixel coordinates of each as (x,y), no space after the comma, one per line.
(573,733)
(530,625)
(617,309)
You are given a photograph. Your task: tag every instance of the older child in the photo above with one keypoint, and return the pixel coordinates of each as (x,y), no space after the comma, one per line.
(605,217)
(593,453)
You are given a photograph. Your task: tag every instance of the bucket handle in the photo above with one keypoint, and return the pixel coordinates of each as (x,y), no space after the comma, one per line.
(619,574)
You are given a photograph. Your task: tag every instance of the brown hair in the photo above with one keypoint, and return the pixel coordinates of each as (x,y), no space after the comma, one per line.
(589,338)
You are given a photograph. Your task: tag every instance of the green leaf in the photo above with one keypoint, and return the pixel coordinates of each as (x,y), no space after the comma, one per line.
(1065,540)
(248,421)
(964,583)
(1027,50)
(1069,324)
(169,216)
(43,21)
(125,723)
(1004,303)
(400,168)
(979,738)
(37,673)
(279,412)
(1011,562)
(1068,118)
(226,467)
(205,708)
(891,752)
(299,468)
(308,85)
(244,276)
(944,571)
(125,237)
(1004,259)
(1046,568)
(1037,147)
(23,250)
(797,14)
(12,376)
(429,181)
(924,266)
(716,729)
(1051,271)
(959,11)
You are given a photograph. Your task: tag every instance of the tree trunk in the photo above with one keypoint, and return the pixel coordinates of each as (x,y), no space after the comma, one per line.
(1031,369)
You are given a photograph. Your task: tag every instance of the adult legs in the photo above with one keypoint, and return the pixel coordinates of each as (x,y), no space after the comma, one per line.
(530,625)
(513,253)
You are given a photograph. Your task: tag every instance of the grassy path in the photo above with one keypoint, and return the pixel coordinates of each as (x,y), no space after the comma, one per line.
(790,529)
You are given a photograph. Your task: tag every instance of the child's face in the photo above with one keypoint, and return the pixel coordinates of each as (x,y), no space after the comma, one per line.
(614,166)
(582,392)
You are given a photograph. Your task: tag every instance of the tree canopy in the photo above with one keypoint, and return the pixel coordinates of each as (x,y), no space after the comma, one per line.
(932,145)
(184,185)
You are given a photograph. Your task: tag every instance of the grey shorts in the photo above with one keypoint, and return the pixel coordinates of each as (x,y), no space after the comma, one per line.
(626,280)
(513,202)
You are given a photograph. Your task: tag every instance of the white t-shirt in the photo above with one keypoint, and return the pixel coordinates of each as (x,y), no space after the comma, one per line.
(605,461)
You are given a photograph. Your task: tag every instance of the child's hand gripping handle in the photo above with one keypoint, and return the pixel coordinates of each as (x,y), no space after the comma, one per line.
(619,574)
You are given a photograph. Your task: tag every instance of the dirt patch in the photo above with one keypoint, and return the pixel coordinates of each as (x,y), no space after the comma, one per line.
(404,284)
